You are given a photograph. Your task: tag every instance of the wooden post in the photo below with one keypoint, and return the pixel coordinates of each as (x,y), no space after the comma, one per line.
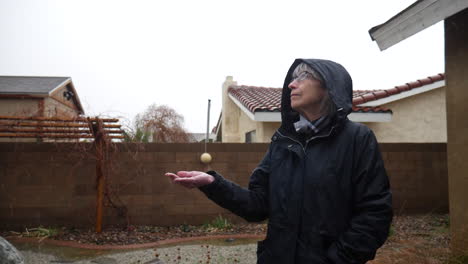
(99,142)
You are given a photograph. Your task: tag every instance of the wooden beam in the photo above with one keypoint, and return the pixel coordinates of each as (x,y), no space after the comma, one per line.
(64,136)
(77,119)
(49,124)
(53,130)
(417,17)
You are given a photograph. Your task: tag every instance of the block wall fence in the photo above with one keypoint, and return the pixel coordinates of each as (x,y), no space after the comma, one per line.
(55,183)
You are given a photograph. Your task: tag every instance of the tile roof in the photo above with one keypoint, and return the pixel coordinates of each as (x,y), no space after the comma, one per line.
(364,96)
(257,99)
(373,109)
(264,99)
(29,85)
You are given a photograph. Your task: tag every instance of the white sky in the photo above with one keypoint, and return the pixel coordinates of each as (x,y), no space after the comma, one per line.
(125,55)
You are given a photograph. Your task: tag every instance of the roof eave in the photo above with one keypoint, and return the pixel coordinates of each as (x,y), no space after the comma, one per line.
(370,117)
(417,17)
(76,99)
(405,94)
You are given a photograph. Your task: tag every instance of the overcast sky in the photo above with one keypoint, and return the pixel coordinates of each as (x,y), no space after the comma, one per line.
(125,55)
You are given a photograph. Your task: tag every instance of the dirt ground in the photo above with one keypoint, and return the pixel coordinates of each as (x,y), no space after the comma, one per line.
(416,239)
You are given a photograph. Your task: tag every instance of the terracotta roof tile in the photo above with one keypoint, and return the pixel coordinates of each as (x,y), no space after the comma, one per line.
(425,81)
(368,97)
(257,99)
(391,91)
(404,87)
(377,109)
(363,96)
(380,94)
(358,100)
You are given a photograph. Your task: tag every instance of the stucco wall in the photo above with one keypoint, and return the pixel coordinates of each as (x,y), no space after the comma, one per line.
(230,115)
(54,108)
(58,96)
(417,119)
(456,64)
(19,107)
(269,129)
(246,125)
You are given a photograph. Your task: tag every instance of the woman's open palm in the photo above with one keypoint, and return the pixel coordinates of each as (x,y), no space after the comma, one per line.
(190,179)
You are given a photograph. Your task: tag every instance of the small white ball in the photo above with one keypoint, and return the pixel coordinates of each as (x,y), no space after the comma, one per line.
(205,158)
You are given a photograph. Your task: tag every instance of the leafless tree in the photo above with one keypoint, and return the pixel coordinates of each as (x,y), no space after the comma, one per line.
(163,124)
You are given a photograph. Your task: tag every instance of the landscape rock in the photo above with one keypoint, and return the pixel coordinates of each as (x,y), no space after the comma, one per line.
(9,254)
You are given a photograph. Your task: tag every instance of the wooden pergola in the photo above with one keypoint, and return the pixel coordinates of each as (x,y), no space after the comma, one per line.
(102,130)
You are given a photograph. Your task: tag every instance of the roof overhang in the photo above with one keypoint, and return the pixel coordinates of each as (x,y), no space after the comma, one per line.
(276,116)
(417,17)
(370,117)
(405,94)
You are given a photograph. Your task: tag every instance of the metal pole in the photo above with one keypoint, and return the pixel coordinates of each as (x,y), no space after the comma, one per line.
(207,125)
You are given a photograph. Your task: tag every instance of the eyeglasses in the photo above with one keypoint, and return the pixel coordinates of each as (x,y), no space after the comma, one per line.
(303,76)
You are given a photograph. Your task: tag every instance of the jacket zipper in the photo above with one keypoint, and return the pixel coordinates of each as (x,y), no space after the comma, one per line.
(312,138)
(307,141)
(300,144)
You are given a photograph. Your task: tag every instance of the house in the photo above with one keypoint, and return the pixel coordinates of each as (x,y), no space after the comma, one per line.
(413,112)
(201,137)
(39,97)
(415,18)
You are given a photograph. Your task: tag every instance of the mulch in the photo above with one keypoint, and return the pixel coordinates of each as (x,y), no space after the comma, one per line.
(144,234)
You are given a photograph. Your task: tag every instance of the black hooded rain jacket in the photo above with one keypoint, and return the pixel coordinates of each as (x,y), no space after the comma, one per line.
(327,198)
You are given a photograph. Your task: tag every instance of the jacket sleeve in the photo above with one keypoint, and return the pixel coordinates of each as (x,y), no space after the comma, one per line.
(250,204)
(372,207)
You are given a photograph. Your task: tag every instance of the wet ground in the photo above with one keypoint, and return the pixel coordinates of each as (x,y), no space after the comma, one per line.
(205,251)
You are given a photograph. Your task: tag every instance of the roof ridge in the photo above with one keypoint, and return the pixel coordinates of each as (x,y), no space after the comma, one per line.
(243,86)
(372,95)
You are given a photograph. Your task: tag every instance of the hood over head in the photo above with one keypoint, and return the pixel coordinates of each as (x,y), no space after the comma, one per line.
(336,80)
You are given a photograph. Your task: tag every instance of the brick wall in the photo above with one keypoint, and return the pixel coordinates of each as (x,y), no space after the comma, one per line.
(48,184)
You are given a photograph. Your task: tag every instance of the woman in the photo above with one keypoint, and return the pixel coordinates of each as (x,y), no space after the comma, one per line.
(322,184)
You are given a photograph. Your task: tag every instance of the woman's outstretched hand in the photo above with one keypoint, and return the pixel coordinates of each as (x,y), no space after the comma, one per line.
(190,179)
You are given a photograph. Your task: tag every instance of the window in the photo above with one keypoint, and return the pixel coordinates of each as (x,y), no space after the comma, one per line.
(250,137)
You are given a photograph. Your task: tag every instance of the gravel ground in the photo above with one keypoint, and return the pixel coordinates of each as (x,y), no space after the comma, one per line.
(188,254)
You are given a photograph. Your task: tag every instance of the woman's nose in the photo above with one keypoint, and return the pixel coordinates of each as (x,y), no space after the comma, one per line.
(292,85)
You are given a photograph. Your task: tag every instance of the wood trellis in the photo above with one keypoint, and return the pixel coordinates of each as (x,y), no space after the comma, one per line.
(102,130)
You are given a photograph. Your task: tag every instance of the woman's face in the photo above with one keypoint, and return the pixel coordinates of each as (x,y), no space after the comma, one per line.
(306,94)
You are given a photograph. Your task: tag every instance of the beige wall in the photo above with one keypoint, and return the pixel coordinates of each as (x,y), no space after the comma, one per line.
(456,69)
(269,129)
(416,119)
(19,107)
(58,96)
(230,115)
(54,108)
(246,125)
